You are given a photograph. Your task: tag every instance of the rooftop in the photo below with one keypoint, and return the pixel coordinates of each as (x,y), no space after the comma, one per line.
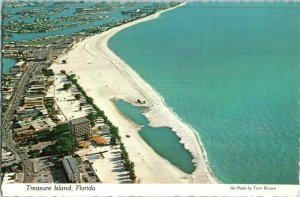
(20,63)
(79,120)
(72,169)
(99,140)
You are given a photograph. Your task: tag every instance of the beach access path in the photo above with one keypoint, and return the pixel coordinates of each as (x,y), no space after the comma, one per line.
(105,77)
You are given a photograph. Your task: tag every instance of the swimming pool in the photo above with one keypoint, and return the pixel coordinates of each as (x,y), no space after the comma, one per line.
(92,157)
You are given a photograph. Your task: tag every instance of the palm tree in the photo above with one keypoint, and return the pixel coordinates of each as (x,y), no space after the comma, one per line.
(66,86)
(113,140)
(77,96)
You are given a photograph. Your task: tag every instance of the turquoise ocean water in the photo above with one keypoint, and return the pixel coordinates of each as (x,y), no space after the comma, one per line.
(231,71)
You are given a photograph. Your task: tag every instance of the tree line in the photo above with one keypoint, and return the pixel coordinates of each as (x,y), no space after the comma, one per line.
(114,131)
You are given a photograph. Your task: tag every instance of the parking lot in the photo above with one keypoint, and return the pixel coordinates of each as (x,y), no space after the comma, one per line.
(45,171)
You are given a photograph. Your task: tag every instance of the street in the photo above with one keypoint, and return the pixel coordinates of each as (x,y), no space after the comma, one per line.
(6,125)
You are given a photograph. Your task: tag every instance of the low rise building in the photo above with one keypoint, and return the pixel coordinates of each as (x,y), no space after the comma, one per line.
(22,65)
(7,156)
(43,124)
(7,92)
(89,175)
(29,129)
(38,79)
(50,93)
(99,140)
(9,178)
(104,128)
(71,169)
(36,89)
(33,101)
(50,80)
(23,112)
(25,134)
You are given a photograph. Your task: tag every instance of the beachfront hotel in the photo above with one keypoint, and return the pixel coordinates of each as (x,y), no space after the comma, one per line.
(80,127)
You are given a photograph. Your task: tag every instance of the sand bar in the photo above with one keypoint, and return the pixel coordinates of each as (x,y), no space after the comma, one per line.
(105,77)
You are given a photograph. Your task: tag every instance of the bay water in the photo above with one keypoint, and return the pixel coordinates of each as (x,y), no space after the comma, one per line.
(7,63)
(71,8)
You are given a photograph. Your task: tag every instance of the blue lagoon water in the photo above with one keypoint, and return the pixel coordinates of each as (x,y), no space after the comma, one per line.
(163,140)
(231,71)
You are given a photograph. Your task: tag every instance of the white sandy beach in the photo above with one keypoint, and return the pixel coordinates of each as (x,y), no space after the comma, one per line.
(104,76)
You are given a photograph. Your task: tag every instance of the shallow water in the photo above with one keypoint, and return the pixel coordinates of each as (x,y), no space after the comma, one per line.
(163,140)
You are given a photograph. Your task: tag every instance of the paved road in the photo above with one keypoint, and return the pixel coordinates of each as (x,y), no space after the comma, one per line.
(28,170)
(8,115)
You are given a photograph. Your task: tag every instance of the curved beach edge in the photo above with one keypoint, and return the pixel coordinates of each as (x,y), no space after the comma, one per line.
(106,77)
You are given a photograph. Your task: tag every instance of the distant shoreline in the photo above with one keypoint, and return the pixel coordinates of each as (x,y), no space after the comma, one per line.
(108,77)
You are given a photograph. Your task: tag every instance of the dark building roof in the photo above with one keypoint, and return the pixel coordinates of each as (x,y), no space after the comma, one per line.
(79,120)
(71,169)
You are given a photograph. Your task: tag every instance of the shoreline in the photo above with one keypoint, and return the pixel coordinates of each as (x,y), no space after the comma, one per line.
(107,77)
